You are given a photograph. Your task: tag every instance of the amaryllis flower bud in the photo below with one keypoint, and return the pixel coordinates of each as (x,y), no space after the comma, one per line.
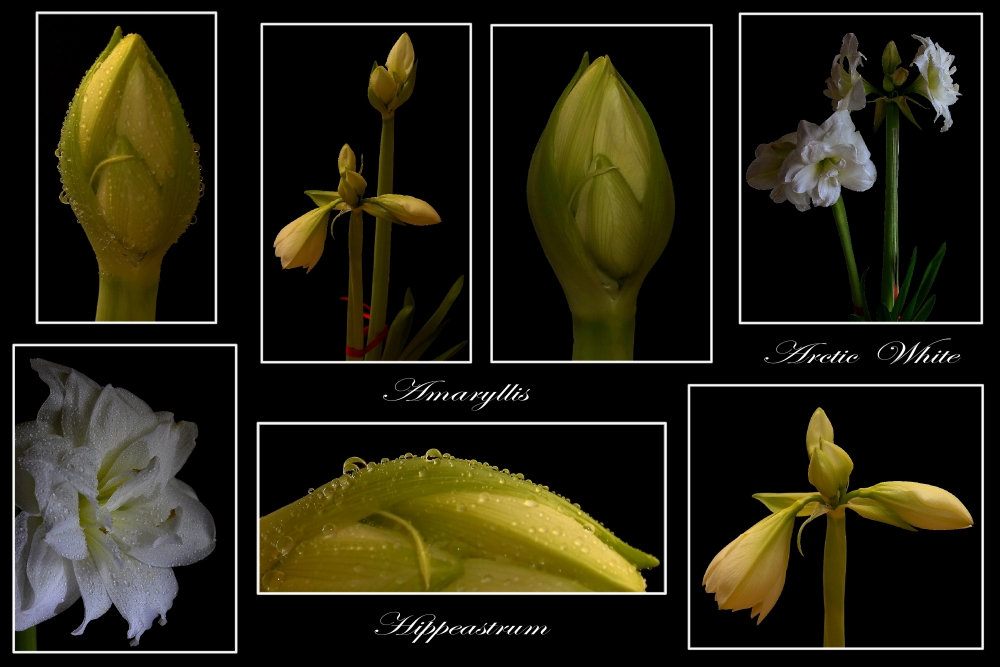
(129,165)
(391,85)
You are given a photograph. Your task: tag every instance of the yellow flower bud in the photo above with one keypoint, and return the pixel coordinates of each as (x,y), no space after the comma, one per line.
(921,505)
(410,210)
(346,162)
(829,466)
(391,85)
(381,82)
(301,242)
(400,60)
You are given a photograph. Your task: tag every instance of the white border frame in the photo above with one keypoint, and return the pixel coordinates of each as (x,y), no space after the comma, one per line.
(711,189)
(981,519)
(236,481)
(663,561)
(742,165)
(215,164)
(468,282)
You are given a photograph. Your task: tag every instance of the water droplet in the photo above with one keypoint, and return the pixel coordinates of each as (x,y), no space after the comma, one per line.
(501,481)
(433,453)
(530,503)
(339,498)
(272,579)
(585,550)
(460,507)
(358,569)
(446,455)
(310,490)
(519,476)
(538,488)
(485,580)
(576,505)
(407,455)
(422,473)
(578,542)
(285,545)
(350,465)
(506,471)
(555,531)
(329,528)
(484,497)
(64,198)
(589,527)
(384,460)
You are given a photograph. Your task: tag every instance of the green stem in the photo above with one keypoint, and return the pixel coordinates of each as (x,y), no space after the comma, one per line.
(355,285)
(609,337)
(834,577)
(128,293)
(383,231)
(25,640)
(840,218)
(890,239)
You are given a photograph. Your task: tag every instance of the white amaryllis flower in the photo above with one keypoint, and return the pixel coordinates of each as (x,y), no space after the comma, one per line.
(827,157)
(763,172)
(846,88)
(935,81)
(102,515)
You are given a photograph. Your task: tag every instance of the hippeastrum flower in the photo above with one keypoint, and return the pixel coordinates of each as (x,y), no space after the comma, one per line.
(391,85)
(763,172)
(827,157)
(846,88)
(301,242)
(437,523)
(602,203)
(130,170)
(935,81)
(749,573)
(101,514)
(920,505)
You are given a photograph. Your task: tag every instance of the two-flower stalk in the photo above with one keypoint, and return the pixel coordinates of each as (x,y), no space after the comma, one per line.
(750,571)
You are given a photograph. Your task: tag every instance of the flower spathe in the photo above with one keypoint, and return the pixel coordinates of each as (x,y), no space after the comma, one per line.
(102,515)
(301,242)
(935,82)
(827,157)
(846,88)
(750,571)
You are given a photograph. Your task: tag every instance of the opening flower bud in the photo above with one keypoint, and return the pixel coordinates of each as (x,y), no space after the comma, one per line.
(921,505)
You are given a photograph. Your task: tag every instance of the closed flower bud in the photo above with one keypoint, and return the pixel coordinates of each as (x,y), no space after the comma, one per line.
(400,208)
(599,190)
(921,505)
(346,161)
(829,466)
(391,85)
(128,161)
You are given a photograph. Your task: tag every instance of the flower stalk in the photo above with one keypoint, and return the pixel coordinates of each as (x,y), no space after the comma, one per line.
(128,293)
(355,286)
(890,240)
(844,231)
(383,238)
(834,577)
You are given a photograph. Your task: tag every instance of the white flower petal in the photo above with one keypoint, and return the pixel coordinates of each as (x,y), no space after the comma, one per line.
(827,191)
(63,531)
(44,584)
(119,419)
(140,592)
(95,596)
(172,529)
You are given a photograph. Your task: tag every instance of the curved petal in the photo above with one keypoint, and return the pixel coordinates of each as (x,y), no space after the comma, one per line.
(819,428)
(95,596)
(779,501)
(63,531)
(140,592)
(44,584)
(71,398)
(170,530)
(871,509)
(119,418)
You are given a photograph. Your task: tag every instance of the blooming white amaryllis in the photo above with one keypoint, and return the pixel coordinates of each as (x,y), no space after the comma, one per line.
(101,514)
(846,88)
(827,157)
(935,82)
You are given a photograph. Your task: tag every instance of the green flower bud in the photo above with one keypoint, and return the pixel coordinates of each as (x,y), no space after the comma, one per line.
(599,190)
(130,170)
(829,466)
(391,85)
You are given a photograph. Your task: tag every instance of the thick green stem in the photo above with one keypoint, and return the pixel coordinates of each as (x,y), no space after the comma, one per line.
(355,287)
(890,239)
(610,337)
(383,232)
(25,640)
(834,577)
(840,217)
(128,293)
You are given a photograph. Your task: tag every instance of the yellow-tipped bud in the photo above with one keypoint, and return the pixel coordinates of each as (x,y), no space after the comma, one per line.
(921,505)
(391,85)
(346,162)
(401,59)
(410,210)
(829,466)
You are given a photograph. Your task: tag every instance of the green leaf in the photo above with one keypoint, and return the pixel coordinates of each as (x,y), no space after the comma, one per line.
(890,59)
(869,88)
(407,90)
(925,311)
(864,297)
(883,313)
(324,197)
(930,273)
(779,501)
(408,298)
(419,350)
(430,327)
(398,332)
(905,287)
(901,103)
(855,318)
(879,112)
(451,353)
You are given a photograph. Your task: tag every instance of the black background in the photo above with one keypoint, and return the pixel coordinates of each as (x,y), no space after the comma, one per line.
(315,80)
(793,264)
(168,379)
(568,392)
(903,588)
(532,320)
(67,275)
(632,508)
